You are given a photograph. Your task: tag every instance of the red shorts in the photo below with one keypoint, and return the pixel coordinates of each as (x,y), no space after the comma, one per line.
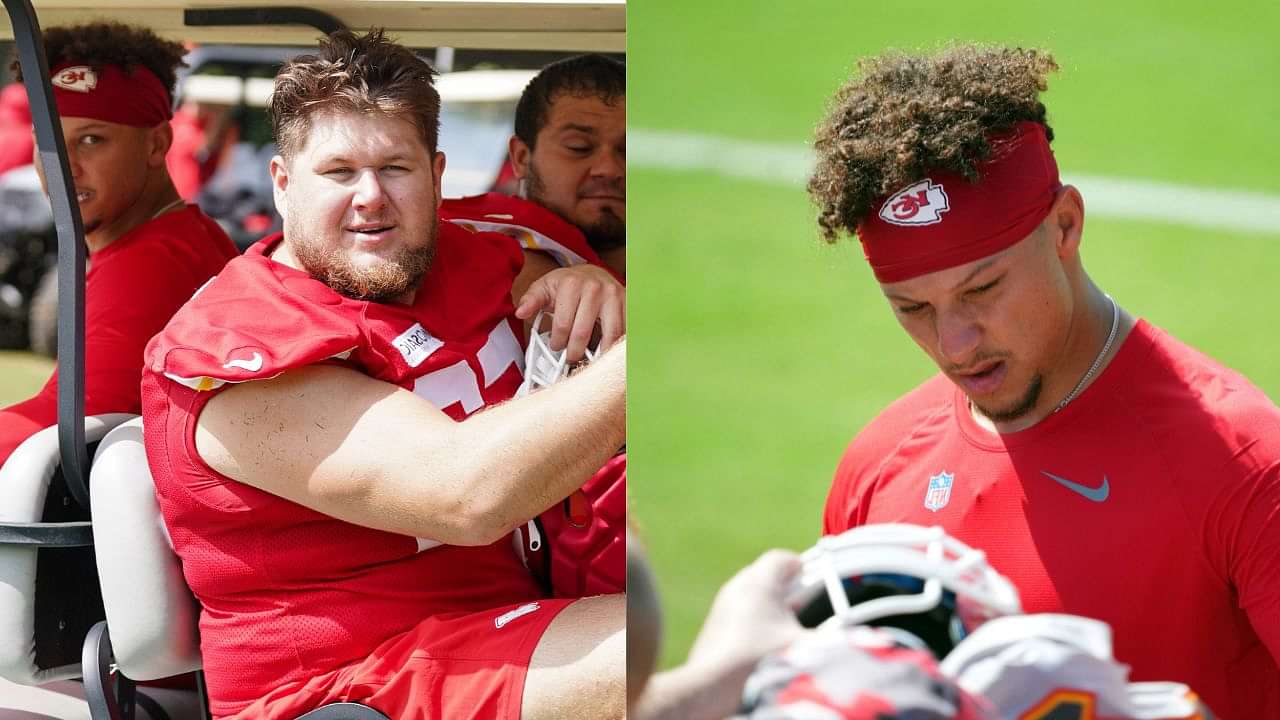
(456,666)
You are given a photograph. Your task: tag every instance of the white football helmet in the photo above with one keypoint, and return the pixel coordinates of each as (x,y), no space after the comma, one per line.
(918,579)
(542,365)
(1051,665)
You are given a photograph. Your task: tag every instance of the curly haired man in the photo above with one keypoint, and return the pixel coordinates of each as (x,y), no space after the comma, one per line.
(148,251)
(1106,468)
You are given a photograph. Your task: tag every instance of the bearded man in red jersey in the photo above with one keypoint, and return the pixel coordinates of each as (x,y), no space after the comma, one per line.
(1106,468)
(343,508)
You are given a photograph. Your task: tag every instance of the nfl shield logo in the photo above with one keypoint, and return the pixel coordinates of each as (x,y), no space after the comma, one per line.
(939,493)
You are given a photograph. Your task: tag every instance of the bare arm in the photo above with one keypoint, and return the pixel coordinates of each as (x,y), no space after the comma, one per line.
(749,619)
(370,453)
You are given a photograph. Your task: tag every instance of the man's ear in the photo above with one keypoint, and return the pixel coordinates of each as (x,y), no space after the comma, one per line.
(159,140)
(437,176)
(520,154)
(1068,221)
(279,183)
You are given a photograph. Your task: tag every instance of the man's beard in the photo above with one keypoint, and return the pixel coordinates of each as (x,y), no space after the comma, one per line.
(1024,405)
(609,232)
(383,282)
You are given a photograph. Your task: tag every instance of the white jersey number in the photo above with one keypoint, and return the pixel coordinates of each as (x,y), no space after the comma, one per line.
(458,382)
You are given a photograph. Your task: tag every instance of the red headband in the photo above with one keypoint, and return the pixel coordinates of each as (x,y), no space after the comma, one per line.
(943,220)
(110,94)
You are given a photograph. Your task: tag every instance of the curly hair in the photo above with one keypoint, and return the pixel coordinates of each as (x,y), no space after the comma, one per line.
(355,74)
(103,43)
(592,75)
(910,114)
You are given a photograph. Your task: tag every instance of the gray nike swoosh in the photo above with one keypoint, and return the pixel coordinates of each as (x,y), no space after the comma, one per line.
(1097,494)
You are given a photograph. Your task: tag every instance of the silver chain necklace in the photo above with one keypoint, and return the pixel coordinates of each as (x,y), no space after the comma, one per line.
(1111,337)
(168,207)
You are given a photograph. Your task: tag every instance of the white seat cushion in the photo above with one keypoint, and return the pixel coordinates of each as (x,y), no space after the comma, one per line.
(24,486)
(151,613)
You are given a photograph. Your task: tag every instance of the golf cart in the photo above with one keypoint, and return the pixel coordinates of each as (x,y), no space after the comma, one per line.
(232,83)
(89,587)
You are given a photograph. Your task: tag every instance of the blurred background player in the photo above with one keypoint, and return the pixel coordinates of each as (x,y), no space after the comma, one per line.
(1107,469)
(16,144)
(202,133)
(148,251)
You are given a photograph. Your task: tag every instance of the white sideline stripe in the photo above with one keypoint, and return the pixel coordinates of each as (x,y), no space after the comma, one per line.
(1124,198)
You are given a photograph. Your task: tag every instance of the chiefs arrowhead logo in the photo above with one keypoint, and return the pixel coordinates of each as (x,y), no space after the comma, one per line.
(80,78)
(920,204)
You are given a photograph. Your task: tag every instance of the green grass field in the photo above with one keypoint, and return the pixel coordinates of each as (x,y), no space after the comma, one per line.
(21,375)
(757,353)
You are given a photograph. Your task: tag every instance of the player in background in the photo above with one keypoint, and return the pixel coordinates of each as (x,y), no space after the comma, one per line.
(148,251)
(17,147)
(569,153)
(332,450)
(1106,468)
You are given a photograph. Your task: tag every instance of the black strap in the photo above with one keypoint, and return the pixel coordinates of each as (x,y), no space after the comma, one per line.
(153,708)
(318,19)
(58,535)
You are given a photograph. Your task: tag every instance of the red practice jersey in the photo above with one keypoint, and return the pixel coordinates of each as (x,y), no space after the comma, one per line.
(289,594)
(535,227)
(132,288)
(1152,502)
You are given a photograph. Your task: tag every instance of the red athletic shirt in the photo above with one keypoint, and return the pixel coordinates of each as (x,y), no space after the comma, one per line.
(132,288)
(289,594)
(534,226)
(1152,502)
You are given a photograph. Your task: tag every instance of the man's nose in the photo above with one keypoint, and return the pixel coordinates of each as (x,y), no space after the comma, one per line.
(609,163)
(959,336)
(369,193)
(73,161)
